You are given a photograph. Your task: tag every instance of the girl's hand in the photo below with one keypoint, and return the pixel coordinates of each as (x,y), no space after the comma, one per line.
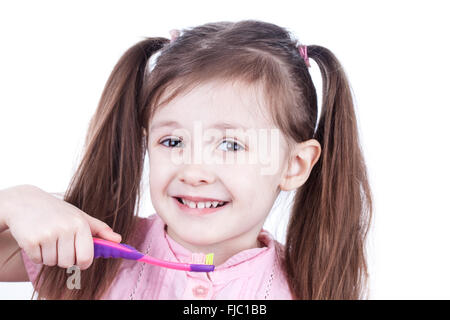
(52,231)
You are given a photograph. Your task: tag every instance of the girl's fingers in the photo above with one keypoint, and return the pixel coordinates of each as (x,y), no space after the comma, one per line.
(34,253)
(66,250)
(49,253)
(102,230)
(84,248)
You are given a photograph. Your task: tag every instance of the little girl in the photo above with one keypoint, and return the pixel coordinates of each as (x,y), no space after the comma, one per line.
(205,108)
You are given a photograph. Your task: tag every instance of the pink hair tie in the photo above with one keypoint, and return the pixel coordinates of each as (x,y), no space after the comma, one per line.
(304,53)
(174,34)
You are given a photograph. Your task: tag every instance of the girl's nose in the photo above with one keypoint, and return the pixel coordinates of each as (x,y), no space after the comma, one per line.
(195,175)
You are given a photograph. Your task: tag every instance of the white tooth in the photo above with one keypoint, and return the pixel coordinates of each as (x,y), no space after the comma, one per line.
(200,205)
(191,204)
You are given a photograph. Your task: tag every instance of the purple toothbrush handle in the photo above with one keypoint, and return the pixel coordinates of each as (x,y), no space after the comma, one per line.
(202,267)
(108,249)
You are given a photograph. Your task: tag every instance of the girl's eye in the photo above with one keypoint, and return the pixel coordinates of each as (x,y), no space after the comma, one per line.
(232,145)
(172,142)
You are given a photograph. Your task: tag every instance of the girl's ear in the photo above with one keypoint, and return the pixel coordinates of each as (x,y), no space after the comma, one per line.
(304,157)
(144,132)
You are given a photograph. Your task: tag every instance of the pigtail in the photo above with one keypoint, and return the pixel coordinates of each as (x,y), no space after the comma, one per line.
(325,256)
(106,184)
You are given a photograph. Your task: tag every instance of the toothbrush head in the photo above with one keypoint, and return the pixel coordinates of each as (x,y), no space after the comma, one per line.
(202,262)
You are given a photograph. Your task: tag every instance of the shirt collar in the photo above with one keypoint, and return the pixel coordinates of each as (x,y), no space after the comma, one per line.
(233,267)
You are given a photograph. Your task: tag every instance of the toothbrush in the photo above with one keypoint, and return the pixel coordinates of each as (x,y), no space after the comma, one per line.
(109,249)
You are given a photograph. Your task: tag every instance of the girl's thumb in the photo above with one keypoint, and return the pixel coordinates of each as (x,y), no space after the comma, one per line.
(102,230)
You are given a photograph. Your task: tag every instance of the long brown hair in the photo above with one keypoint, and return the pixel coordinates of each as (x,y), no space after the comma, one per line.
(324,256)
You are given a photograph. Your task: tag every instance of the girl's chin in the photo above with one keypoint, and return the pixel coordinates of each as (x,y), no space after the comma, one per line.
(189,241)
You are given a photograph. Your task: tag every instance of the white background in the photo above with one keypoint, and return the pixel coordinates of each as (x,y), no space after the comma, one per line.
(56,56)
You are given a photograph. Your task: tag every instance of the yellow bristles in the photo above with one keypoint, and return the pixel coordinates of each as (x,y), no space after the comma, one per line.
(209,258)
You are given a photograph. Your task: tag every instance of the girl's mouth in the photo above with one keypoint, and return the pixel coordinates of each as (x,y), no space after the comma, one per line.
(200,208)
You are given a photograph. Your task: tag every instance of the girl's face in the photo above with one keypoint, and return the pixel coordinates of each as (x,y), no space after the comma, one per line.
(194,151)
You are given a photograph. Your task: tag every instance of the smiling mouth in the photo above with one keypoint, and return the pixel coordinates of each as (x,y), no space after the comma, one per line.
(206,204)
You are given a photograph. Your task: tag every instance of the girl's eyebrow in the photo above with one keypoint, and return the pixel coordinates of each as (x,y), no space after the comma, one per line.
(217,125)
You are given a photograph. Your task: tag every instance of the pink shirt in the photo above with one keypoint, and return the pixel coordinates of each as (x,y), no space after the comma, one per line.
(253,274)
